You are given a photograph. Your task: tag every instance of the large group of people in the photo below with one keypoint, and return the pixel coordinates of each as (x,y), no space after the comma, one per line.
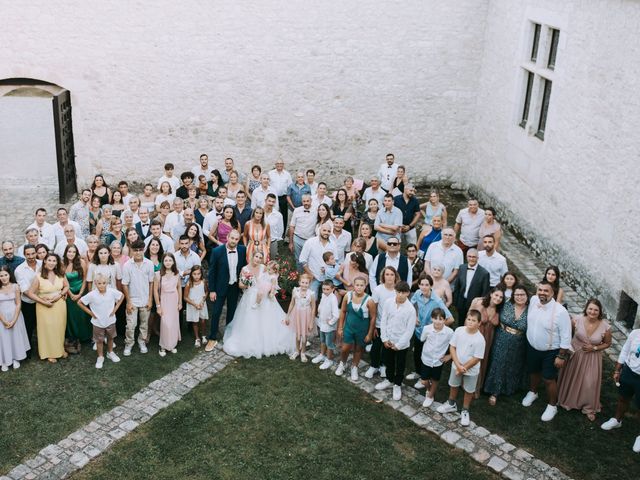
(380,274)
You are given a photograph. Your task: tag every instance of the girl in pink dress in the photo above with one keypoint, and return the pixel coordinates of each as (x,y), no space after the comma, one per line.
(168,296)
(301,315)
(267,283)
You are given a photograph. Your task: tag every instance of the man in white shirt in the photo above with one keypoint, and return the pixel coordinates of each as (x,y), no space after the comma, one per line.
(25,273)
(302,228)
(259,195)
(210,223)
(226,201)
(80,212)
(311,256)
(134,209)
(374,191)
(46,233)
(311,181)
(31,238)
(273,218)
(387,172)
(549,340)
(123,186)
(340,238)
(169,177)
(186,259)
(165,240)
(492,261)
(468,223)
(444,252)
(202,168)
(391,258)
(71,239)
(143,227)
(63,220)
(320,197)
(280,181)
(188,217)
(175,217)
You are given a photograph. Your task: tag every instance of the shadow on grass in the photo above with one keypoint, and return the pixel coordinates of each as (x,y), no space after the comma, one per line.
(274,419)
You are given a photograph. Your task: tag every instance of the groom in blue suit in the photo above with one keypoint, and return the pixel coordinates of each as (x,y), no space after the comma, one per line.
(225,264)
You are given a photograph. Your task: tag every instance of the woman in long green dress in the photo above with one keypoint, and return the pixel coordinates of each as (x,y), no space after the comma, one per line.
(79,328)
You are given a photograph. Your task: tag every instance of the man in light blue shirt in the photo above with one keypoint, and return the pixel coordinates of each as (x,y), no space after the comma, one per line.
(388,222)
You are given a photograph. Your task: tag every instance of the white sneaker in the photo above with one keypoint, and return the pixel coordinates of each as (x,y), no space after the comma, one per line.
(113,357)
(412,376)
(99,362)
(371,371)
(464,418)
(197,343)
(303,358)
(143,347)
(318,358)
(428,401)
(174,350)
(5,368)
(94,347)
(354,374)
(308,344)
(419,385)
(611,424)
(383,371)
(340,370)
(397,392)
(529,398)
(203,340)
(294,355)
(368,348)
(383,385)
(16,364)
(127,351)
(636,445)
(549,413)
(446,407)
(162,352)
(326,364)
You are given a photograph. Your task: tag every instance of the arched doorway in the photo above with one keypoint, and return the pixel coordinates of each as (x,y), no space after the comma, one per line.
(21,89)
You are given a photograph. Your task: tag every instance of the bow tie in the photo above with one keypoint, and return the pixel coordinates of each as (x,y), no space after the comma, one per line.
(470,268)
(231,251)
(145,224)
(388,166)
(307,211)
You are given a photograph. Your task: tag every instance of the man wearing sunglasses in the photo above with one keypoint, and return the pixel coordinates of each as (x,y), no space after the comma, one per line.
(392,258)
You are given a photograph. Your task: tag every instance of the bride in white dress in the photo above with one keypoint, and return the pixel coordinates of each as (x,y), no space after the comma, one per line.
(257,328)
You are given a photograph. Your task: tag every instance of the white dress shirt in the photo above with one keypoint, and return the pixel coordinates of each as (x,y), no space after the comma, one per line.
(232,259)
(24,276)
(436,344)
(280,181)
(59,230)
(398,323)
(380,295)
(548,326)
(276,224)
(315,201)
(304,222)
(210,222)
(166,241)
(628,355)
(495,264)
(369,193)
(171,221)
(328,313)
(78,242)
(259,197)
(342,243)
(471,271)
(311,255)
(386,174)
(450,257)
(47,234)
(186,263)
(173,181)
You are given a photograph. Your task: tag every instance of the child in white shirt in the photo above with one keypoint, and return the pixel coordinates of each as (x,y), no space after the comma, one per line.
(328,314)
(436,337)
(103,303)
(467,350)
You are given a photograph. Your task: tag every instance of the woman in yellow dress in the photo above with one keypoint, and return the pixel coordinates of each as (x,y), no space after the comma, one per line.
(49,291)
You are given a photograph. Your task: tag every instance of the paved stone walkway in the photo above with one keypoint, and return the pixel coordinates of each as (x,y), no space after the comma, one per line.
(59,460)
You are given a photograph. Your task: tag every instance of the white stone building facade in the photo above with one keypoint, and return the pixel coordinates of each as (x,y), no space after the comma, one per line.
(336,85)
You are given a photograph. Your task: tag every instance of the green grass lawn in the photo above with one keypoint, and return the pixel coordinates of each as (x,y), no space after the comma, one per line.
(274,418)
(43,403)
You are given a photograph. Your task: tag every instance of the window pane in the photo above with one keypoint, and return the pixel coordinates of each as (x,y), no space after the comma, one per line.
(536,40)
(527,100)
(555,35)
(544,108)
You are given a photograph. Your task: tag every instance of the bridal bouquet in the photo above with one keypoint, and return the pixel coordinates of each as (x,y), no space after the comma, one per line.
(246,278)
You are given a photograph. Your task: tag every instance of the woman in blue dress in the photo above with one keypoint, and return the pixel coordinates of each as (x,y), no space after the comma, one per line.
(429,234)
(506,373)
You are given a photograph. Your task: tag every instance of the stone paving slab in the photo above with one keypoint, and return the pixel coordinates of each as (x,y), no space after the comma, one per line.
(57,461)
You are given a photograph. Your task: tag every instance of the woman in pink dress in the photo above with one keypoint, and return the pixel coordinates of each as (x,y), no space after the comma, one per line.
(227,223)
(489,307)
(168,296)
(579,382)
(490,227)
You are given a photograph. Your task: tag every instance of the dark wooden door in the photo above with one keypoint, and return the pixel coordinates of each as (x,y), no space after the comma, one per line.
(65,152)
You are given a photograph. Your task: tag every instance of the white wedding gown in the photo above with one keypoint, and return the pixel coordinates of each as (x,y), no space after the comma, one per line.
(258,332)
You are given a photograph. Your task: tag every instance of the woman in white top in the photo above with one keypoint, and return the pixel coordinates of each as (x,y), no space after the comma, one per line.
(148,198)
(103,264)
(165,194)
(234,186)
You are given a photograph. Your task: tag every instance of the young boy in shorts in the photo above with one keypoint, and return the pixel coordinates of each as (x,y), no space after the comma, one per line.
(328,314)
(102,304)
(436,337)
(467,350)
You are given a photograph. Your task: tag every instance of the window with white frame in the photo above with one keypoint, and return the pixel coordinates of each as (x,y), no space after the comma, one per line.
(538,68)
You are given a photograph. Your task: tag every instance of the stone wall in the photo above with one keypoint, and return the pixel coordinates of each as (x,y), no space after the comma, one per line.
(575,194)
(334,85)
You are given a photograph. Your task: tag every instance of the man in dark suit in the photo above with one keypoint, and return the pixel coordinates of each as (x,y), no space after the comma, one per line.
(143,226)
(225,264)
(471,282)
